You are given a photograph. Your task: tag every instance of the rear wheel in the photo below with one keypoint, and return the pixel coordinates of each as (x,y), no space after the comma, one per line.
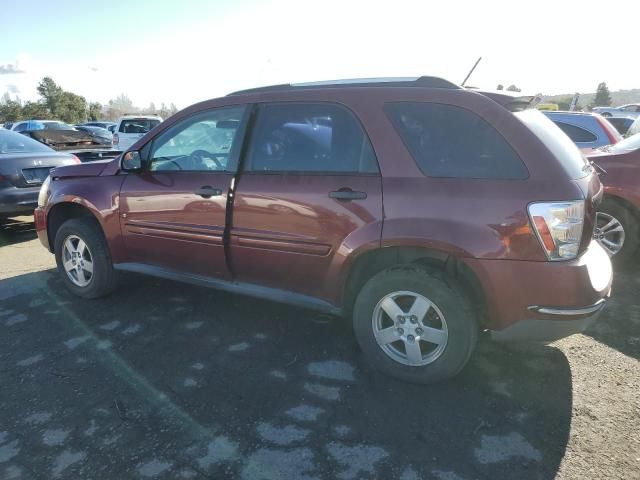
(413,325)
(83,258)
(617,231)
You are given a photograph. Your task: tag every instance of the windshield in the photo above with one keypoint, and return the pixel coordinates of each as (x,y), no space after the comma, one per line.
(557,141)
(627,145)
(12,142)
(57,126)
(138,125)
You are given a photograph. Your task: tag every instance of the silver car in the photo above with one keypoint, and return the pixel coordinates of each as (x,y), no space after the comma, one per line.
(631,110)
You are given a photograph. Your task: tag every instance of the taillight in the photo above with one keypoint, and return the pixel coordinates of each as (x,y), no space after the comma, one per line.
(559,227)
(116,139)
(612,134)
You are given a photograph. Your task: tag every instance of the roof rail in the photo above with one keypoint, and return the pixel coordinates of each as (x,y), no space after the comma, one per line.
(424,82)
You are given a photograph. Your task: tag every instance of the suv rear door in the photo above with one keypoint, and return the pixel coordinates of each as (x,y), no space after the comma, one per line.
(310,180)
(173,214)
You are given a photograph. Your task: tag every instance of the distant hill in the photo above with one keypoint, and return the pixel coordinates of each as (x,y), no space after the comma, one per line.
(618,98)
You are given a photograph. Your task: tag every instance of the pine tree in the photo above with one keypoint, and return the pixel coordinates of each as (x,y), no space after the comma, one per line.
(603,96)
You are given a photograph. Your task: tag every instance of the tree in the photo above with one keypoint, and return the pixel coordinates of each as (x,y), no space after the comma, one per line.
(119,106)
(603,96)
(66,106)
(95,111)
(513,88)
(35,110)
(10,110)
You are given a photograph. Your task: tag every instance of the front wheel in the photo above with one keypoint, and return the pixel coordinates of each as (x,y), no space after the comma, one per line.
(413,325)
(83,258)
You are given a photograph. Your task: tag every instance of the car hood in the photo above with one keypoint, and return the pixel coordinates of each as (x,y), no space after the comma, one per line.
(92,169)
(64,139)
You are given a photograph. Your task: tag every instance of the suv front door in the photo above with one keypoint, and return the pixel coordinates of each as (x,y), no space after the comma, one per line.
(310,179)
(173,214)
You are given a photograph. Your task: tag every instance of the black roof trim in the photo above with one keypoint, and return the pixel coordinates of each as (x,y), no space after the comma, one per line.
(424,82)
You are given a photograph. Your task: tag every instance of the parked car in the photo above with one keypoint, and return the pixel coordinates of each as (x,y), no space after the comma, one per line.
(587,130)
(277,193)
(629,110)
(622,124)
(24,164)
(618,221)
(33,125)
(131,128)
(101,135)
(111,126)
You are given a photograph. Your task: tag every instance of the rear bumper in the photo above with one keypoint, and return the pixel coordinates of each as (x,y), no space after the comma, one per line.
(544,301)
(569,322)
(14,200)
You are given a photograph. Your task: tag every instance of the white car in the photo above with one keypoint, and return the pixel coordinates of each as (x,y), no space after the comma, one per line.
(132,127)
(631,110)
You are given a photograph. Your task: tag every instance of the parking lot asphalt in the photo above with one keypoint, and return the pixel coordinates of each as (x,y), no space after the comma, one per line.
(165,380)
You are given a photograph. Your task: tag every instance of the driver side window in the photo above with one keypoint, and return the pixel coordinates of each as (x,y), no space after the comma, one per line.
(202,142)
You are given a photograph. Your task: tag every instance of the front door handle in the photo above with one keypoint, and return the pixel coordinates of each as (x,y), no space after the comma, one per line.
(208,191)
(347,194)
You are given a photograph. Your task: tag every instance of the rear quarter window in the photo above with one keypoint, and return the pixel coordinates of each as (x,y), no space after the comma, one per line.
(577,134)
(450,141)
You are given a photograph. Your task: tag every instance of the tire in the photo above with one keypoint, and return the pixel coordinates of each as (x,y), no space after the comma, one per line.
(439,361)
(606,115)
(103,279)
(629,222)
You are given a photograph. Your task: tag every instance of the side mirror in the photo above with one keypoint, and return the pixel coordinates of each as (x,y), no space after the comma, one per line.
(131,162)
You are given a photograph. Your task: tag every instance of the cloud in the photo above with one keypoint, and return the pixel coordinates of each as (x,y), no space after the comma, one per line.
(11,88)
(8,68)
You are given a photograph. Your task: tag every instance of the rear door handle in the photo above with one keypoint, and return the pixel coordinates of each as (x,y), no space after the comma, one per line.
(347,195)
(208,191)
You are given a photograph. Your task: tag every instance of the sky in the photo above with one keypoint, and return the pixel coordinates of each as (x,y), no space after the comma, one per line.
(191,50)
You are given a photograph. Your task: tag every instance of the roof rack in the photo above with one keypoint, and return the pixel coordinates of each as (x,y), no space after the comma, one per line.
(424,82)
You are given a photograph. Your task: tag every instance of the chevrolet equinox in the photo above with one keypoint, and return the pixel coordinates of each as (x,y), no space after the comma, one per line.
(422,211)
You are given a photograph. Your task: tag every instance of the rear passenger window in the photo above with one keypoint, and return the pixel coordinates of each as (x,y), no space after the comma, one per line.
(309,138)
(577,134)
(449,141)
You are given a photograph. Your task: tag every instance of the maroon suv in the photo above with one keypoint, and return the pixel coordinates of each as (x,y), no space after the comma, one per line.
(422,211)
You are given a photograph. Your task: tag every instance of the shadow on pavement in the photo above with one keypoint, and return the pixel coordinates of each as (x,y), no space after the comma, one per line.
(166,380)
(619,324)
(17,230)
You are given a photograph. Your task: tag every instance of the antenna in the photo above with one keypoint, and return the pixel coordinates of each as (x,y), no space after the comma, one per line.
(471,71)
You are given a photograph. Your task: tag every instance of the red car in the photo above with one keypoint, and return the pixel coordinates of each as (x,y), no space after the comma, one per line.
(617,228)
(422,211)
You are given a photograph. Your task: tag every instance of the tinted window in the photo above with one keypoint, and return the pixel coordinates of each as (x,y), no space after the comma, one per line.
(309,138)
(137,125)
(449,141)
(203,142)
(576,134)
(13,142)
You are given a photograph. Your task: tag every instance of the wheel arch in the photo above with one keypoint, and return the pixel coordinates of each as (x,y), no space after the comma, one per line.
(63,211)
(372,262)
(623,202)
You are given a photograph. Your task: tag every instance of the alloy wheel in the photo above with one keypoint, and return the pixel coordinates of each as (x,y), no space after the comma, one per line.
(609,233)
(410,328)
(77,261)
